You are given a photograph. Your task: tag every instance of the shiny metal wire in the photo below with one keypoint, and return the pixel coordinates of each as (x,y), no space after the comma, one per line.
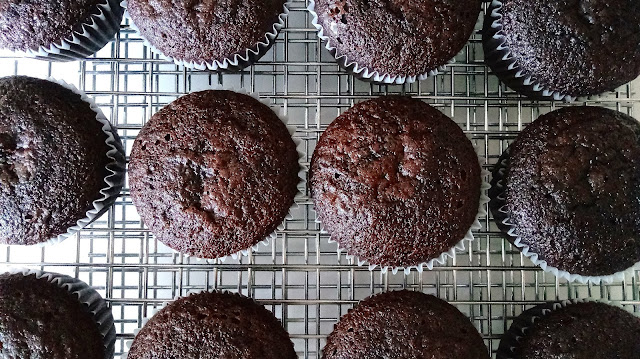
(299,275)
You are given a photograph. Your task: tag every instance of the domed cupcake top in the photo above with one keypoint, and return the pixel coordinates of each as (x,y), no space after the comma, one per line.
(39,319)
(53,159)
(398,37)
(395,181)
(573,190)
(404,325)
(213,325)
(30,24)
(575,48)
(210,30)
(581,330)
(213,173)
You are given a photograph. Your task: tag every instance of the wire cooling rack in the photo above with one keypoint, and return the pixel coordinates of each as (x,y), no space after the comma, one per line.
(299,275)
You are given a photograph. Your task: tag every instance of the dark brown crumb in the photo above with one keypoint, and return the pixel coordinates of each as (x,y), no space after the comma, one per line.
(395,181)
(30,24)
(213,173)
(213,325)
(41,320)
(52,159)
(204,30)
(404,325)
(575,47)
(398,37)
(573,189)
(578,331)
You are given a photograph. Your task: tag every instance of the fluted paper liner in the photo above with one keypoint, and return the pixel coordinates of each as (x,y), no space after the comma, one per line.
(363,72)
(115,169)
(86,295)
(301,175)
(442,258)
(234,62)
(86,38)
(501,217)
(503,63)
(518,330)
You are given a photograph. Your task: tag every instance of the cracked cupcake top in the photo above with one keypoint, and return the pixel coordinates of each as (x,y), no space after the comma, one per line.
(213,173)
(53,159)
(573,189)
(395,181)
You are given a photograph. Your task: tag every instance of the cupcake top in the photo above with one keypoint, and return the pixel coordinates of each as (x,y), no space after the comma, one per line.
(398,37)
(30,24)
(582,330)
(573,189)
(395,181)
(404,325)
(213,325)
(576,48)
(204,30)
(213,173)
(38,319)
(53,159)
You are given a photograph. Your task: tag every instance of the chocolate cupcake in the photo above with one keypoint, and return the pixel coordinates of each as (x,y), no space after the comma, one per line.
(563,49)
(53,316)
(209,35)
(61,162)
(396,183)
(404,325)
(213,173)
(61,30)
(572,329)
(394,42)
(567,192)
(212,325)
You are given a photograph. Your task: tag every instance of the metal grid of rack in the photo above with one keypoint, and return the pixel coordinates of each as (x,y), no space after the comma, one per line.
(299,275)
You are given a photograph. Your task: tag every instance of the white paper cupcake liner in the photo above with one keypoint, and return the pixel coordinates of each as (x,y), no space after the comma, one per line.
(501,216)
(518,330)
(301,176)
(363,72)
(504,64)
(86,295)
(113,181)
(146,319)
(442,258)
(234,62)
(86,38)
